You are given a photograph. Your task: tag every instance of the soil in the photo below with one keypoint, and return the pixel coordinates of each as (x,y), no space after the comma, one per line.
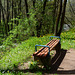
(64,63)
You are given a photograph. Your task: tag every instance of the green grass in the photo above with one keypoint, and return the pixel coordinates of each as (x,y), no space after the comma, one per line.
(68,39)
(21,52)
(26,48)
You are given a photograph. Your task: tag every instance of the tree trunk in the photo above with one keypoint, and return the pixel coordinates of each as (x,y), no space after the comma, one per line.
(54,16)
(8,14)
(15,11)
(12,15)
(19,7)
(58,18)
(40,20)
(26,5)
(0,11)
(44,5)
(34,3)
(62,18)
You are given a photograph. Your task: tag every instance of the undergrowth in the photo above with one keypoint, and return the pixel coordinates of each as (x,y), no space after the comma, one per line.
(13,55)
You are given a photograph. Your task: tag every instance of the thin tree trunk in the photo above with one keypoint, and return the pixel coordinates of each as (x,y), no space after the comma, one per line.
(15,11)
(68,20)
(71,7)
(54,16)
(34,3)
(19,7)
(4,18)
(8,14)
(58,18)
(12,15)
(40,21)
(0,11)
(44,5)
(4,21)
(62,18)
(27,11)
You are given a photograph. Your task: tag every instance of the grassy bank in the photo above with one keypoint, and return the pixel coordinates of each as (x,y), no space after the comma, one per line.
(25,49)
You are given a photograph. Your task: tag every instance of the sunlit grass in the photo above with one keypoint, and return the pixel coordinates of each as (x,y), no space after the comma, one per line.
(26,48)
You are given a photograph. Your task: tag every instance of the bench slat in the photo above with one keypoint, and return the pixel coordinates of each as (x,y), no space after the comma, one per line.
(50,49)
(42,48)
(43,52)
(46,51)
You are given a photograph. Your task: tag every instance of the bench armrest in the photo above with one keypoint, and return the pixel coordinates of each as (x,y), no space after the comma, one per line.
(55,37)
(42,46)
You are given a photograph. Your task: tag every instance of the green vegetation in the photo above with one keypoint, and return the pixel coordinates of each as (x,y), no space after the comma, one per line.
(11,55)
(68,39)
(25,23)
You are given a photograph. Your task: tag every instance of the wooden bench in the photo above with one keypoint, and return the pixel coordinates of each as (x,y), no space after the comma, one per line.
(43,54)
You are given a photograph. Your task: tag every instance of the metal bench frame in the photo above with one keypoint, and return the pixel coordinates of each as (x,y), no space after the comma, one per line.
(51,37)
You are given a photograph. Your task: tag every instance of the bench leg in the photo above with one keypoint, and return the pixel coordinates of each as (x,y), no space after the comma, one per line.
(58,52)
(58,48)
(46,61)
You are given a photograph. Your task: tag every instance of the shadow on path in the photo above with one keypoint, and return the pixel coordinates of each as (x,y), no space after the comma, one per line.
(57,60)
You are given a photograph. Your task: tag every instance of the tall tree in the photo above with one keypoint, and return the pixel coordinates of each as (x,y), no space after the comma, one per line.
(8,14)
(34,3)
(12,15)
(27,11)
(0,11)
(62,18)
(41,20)
(58,18)
(54,15)
(15,10)
(19,7)
(44,5)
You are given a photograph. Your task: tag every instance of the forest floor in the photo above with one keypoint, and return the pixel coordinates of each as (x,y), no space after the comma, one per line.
(65,64)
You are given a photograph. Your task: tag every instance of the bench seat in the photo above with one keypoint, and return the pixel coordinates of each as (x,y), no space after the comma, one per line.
(43,52)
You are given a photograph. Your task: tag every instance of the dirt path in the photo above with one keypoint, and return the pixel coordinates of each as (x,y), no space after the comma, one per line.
(69,61)
(65,64)
(68,64)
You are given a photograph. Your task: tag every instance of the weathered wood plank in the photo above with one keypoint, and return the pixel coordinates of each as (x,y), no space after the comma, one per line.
(43,52)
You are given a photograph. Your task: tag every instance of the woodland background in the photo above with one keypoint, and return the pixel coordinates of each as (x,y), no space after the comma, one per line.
(25,18)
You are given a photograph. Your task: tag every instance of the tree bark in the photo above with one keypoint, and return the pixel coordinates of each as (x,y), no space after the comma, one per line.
(8,14)
(15,12)
(27,11)
(19,7)
(0,11)
(44,5)
(58,18)
(34,3)
(62,18)
(12,15)
(54,16)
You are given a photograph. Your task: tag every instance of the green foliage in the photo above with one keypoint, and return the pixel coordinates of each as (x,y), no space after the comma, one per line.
(68,39)
(21,52)
(8,41)
(25,28)
(33,65)
(26,48)
(69,34)
(1,41)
